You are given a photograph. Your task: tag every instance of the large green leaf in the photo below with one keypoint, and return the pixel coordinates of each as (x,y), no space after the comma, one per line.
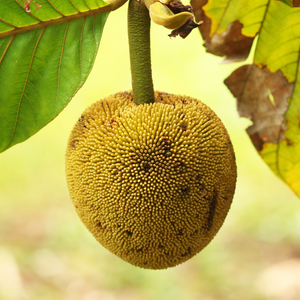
(46,55)
(268,91)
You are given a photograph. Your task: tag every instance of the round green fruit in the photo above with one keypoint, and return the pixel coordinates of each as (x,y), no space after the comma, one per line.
(153,183)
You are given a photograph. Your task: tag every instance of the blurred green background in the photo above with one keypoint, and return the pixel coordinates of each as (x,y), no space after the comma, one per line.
(46,252)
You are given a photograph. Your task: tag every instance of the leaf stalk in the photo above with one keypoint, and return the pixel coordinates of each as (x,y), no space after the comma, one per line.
(140,56)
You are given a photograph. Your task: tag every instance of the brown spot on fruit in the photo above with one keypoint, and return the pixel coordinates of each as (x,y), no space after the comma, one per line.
(185,190)
(167,154)
(188,252)
(182,127)
(146,167)
(99,224)
(128,232)
(74,143)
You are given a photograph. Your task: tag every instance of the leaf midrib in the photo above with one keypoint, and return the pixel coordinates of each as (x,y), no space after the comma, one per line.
(43,24)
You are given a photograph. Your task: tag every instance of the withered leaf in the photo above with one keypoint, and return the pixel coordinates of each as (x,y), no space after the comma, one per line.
(201,16)
(177,7)
(231,43)
(252,86)
(185,29)
(268,91)
(190,24)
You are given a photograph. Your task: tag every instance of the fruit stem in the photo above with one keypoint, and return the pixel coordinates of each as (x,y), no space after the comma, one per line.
(139,48)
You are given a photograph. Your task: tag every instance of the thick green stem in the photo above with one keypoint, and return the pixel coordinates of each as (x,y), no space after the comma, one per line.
(139,47)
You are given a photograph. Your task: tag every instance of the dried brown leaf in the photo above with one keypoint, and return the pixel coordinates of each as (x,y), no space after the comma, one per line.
(252,86)
(185,29)
(230,43)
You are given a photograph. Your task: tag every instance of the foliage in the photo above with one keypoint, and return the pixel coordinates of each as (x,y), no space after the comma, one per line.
(46,55)
(268,91)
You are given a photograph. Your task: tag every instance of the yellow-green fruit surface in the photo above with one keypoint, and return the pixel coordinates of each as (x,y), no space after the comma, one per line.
(152,183)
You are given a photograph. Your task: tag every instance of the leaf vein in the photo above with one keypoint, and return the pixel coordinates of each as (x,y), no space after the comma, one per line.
(80,50)
(251,10)
(288,28)
(224,12)
(280,135)
(32,85)
(34,113)
(74,5)
(6,48)
(55,8)
(63,19)
(287,41)
(251,24)
(282,56)
(7,23)
(59,66)
(86,4)
(27,12)
(25,84)
(264,17)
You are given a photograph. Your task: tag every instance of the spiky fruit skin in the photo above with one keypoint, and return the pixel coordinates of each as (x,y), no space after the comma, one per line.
(152,183)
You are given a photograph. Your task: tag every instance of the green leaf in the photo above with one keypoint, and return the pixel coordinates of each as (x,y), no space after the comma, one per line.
(46,54)
(268,91)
